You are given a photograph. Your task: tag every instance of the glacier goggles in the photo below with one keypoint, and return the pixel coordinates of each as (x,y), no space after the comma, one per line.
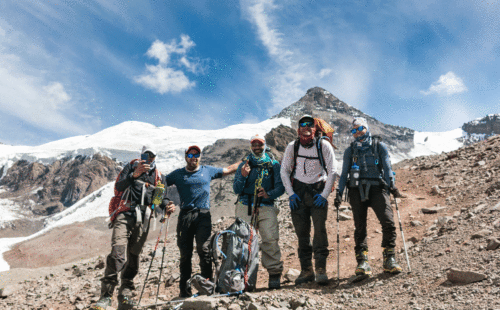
(360,128)
(190,155)
(306,124)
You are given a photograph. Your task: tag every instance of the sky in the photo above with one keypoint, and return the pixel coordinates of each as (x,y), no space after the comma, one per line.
(72,68)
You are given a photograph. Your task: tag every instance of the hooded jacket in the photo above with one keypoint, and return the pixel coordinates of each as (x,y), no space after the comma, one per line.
(245,186)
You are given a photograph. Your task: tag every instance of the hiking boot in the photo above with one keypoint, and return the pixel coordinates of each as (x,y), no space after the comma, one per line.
(321,277)
(126,303)
(102,303)
(185,292)
(274,281)
(390,265)
(305,276)
(363,269)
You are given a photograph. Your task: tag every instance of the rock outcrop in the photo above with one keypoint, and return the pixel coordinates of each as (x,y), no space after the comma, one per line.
(48,189)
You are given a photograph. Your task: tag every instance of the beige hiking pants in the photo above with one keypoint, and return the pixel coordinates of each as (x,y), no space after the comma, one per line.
(267,223)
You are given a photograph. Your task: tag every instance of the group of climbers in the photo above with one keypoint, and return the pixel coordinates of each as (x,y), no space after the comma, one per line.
(307,173)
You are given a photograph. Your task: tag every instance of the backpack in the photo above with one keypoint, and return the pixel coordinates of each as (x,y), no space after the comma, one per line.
(237,270)
(376,139)
(317,142)
(120,201)
(323,131)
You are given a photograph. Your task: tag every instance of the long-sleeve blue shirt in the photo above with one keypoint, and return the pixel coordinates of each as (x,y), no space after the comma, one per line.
(367,164)
(273,190)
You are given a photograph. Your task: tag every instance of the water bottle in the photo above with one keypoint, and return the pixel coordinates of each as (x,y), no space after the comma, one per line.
(354,173)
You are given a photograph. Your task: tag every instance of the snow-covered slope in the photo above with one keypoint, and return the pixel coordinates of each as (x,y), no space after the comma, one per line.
(124,142)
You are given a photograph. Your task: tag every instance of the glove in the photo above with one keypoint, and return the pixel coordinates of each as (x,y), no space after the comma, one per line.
(293,202)
(319,201)
(395,192)
(338,200)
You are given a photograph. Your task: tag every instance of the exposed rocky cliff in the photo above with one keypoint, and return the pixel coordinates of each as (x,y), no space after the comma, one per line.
(48,189)
(481,128)
(321,103)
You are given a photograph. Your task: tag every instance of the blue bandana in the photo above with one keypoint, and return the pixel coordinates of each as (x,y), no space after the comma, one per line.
(364,142)
(259,161)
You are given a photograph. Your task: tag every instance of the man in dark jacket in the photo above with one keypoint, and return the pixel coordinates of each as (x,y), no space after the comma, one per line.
(261,172)
(130,229)
(369,166)
(195,221)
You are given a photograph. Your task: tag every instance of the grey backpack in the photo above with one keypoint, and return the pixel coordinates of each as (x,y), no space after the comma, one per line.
(236,259)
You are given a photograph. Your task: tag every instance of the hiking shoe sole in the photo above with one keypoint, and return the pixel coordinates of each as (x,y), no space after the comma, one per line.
(305,280)
(395,270)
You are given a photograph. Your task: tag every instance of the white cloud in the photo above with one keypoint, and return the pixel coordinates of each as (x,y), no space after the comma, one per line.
(163,78)
(56,95)
(447,84)
(324,72)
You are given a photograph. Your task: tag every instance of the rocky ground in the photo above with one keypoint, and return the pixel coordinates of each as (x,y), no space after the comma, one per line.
(450,214)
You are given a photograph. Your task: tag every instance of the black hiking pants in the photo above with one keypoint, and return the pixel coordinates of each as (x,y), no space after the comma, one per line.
(301,218)
(191,225)
(380,202)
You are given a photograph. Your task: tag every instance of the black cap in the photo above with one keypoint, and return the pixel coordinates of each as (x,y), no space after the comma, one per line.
(305,118)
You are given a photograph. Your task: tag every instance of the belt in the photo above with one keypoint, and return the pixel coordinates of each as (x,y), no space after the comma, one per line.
(196,210)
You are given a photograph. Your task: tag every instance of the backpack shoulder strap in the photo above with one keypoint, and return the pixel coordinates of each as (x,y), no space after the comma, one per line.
(296,146)
(375,148)
(320,152)
(354,153)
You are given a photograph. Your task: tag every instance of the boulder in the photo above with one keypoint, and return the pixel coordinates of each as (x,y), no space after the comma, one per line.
(432,210)
(465,277)
(493,244)
(481,234)
(200,303)
(292,274)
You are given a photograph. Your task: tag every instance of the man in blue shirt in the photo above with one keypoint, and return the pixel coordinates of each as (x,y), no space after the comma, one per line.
(194,222)
(368,165)
(261,171)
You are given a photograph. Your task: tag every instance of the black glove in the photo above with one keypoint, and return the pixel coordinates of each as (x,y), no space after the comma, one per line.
(395,192)
(337,201)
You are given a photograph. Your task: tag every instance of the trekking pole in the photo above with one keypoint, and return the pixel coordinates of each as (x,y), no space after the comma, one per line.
(162,258)
(402,235)
(151,264)
(338,247)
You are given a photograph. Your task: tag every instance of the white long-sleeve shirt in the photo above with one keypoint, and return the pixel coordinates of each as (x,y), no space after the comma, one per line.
(307,170)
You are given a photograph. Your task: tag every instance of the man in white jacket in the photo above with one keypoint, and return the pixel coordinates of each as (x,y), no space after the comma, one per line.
(308,172)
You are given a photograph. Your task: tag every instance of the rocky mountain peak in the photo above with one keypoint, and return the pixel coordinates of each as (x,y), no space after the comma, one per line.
(319,102)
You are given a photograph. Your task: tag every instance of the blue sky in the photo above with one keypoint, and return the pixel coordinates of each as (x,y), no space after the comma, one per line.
(76,67)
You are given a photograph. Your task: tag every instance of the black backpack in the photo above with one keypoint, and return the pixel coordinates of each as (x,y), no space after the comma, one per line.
(317,142)
(376,139)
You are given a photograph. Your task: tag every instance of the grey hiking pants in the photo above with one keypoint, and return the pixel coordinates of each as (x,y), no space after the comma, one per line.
(301,218)
(267,224)
(126,245)
(379,201)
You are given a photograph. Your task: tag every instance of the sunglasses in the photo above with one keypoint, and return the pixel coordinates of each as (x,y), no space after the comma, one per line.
(197,155)
(306,124)
(360,128)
